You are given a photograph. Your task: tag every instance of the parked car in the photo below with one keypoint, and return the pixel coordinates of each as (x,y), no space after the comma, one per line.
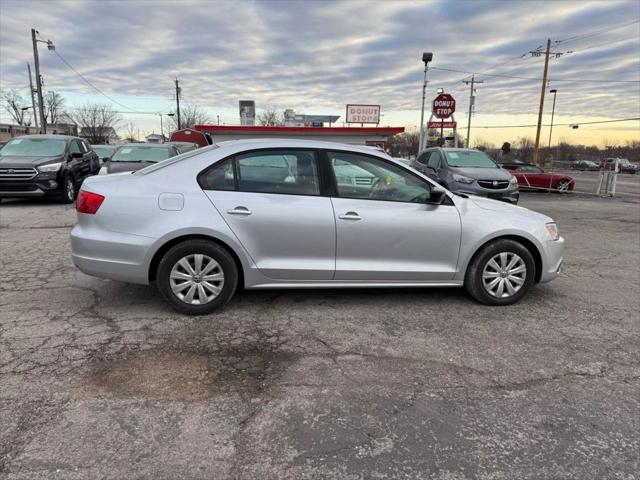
(237,215)
(104,152)
(50,166)
(184,147)
(532,177)
(624,165)
(134,156)
(468,171)
(584,165)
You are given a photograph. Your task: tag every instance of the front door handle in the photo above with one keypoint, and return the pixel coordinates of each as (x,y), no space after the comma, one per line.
(239,211)
(350,216)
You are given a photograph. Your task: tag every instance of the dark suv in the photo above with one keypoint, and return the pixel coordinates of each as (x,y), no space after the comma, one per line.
(468,171)
(50,166)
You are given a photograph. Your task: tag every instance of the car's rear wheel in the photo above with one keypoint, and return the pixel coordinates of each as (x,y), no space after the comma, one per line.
(563,186)
(501,273)
(197,277)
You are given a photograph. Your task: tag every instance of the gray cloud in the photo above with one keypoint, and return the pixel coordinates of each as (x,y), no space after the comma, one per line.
(321,55)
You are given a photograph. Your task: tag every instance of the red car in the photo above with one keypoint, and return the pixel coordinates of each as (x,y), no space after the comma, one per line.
(535,178)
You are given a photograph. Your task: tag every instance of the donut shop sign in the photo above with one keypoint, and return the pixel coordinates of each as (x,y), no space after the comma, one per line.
(363,113)
(444,106)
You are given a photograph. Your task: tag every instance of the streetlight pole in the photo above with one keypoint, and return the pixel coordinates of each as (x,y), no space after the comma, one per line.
(426,58)
(553,111)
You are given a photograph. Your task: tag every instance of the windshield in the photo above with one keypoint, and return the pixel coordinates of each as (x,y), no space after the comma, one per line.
(103,151)
(140,154)
(469,158)
(34,147)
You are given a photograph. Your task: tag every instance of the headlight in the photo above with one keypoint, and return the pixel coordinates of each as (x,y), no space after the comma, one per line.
(513,181)
(52,167)
(552,230)
(463,179)
(102,171)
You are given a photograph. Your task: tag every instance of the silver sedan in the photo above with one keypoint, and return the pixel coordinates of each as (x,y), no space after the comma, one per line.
(303,214)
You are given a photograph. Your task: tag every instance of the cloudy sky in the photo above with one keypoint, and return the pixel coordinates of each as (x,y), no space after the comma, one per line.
(315,57)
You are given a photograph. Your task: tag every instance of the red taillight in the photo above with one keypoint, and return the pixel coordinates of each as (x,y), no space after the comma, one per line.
(88,202)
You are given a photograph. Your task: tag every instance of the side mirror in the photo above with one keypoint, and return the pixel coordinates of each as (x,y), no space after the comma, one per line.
(104,159)
(77,154)
(437,195)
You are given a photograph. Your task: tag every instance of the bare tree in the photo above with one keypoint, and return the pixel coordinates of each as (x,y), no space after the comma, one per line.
(16,106)
(97,122)
(130,132)
(270,117)
(190,116)
(525,148)
(53,106)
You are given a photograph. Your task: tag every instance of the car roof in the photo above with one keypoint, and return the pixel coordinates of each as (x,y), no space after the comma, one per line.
(41,135)
(180,143)
(300,143)
(104,146)
(146,145)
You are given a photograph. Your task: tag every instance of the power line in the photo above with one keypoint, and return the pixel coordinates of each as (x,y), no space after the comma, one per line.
(562,124)
(600,31)
(89,83)
(534,78)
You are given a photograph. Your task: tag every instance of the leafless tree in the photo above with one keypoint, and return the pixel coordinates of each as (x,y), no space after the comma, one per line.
(130,132)
(525,147)
(16,105)
(97,121)
(190,116)
(53,106)
(270,117)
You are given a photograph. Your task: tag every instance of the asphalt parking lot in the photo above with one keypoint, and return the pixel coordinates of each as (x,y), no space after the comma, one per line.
(100,379)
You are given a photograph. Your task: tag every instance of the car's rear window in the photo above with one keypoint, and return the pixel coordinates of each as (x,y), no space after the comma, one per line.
(141,154)
(34,147)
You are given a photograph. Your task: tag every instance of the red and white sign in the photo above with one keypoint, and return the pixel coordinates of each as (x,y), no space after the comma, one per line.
(442,124)
(444,105)
(363,113)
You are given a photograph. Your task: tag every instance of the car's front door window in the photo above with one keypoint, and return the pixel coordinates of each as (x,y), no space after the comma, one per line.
(363,177)
(435,160)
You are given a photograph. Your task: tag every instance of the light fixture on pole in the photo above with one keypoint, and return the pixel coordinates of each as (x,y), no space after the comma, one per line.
(426,58)
(440,90)
(553,111)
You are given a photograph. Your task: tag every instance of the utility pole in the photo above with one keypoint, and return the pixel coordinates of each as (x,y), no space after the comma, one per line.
(472,102)
(178,103)
(161,127)
(537,53)
(36,62)
(33,99)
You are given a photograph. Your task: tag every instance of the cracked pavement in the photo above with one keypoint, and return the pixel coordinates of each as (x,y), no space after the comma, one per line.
(100,379)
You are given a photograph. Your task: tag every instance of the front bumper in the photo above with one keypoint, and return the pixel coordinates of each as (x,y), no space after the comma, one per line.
(36,187)
(510,194)
(552,263)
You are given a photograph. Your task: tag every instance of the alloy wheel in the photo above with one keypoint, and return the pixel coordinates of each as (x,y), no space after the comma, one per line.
(70,189)
(504,274)
(196,279)
(563,186)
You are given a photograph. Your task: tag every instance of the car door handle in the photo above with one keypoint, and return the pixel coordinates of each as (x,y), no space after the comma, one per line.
(350,216)
(239,211)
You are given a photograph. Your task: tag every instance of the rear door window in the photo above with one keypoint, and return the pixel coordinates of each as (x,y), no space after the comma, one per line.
(286,172)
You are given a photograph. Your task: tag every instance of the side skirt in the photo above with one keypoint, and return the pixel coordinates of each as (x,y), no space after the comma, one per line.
(339,284)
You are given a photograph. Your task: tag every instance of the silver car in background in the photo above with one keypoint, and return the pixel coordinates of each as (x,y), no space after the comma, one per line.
(303,214)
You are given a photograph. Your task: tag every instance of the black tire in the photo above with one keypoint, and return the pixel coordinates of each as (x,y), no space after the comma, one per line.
(193,247)
(473,279)
(69,191)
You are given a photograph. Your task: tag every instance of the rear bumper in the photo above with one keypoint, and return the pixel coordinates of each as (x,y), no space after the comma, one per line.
(107,254)
(552,264)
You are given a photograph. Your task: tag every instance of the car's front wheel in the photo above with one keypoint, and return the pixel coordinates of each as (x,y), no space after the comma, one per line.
(197,277)
(68,194)
(501,273)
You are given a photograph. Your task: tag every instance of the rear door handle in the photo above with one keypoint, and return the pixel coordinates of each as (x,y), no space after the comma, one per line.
(239,211)
(350,216)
